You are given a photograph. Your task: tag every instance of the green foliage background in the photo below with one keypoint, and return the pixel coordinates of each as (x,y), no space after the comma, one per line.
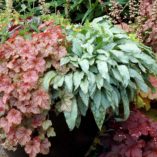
(76,10)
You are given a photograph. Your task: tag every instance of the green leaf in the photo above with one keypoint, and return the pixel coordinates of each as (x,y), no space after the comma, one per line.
(125,101)
(139,80)
(91,78)
(99,115)
(103,52)
(130,47)
(64,60)
(92,89)
(109,47)
(142,85)
(116,96)
(84,97)
(110,98)
(104,101)
(51,132)
(135,74)
(90,49)
(103,69)
(84,85)
(34,27)
(97,98)
(58,81)
(108,86)
(120,36)
(77,77)
(84,65)
(119,56)
(99,81)
(46,124)
(47,79)
(71,117)
(91,61)
(117,75)
(78,121)
(117,30)
(66,101)
(125,74)
(142,67)
(102,58)
(145,58)
(131,93)
(76,46)
(69,82)
(82,107)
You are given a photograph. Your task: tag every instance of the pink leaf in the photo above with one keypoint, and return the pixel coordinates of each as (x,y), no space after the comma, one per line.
(33,147)
(41,99)
(153,81)
(14,116)
(5,124)
(23,135)
(30,77)
(45,146)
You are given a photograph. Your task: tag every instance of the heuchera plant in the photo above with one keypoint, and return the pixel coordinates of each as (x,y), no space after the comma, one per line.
(24,104)
(147,26)
(136,137)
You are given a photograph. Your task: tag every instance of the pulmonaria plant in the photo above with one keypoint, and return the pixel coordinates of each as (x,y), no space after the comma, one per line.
(24,104)
(136,137)
(106,68)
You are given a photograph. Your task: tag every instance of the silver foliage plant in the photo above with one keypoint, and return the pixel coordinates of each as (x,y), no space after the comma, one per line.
(106,68)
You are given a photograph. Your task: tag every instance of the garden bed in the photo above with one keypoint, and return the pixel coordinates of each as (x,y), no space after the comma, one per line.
(78,83)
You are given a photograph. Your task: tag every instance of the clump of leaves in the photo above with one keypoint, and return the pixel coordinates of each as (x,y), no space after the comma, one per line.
(6,20)
(1,5)
(81,10)
(147,25)
(24,104)
(135,137)
(106,68)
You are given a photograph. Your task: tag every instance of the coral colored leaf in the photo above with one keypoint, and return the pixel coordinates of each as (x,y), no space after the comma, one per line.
(45,146)
(153,81)
(5,124)
(14,116)
(33,147)
(23,135)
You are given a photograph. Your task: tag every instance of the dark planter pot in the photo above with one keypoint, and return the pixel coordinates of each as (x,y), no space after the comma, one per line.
(66,143)
(18,153)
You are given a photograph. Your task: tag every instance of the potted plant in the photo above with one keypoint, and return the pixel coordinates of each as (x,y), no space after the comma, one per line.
(72,69)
